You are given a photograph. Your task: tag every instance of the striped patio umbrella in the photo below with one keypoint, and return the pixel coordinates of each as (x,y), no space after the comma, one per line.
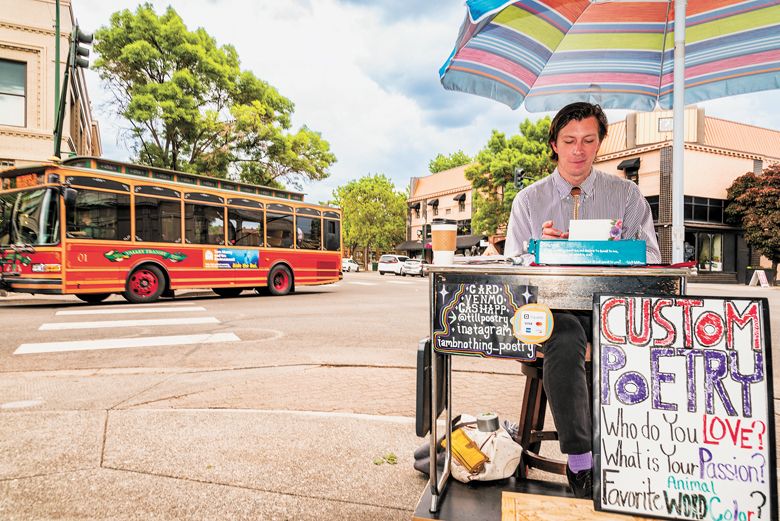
(618,54)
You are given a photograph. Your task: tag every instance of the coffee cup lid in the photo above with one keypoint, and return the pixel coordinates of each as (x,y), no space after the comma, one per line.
(443,221)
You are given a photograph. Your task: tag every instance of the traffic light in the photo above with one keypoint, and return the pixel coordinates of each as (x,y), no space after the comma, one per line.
(77,57)
(519,174)
(80,54)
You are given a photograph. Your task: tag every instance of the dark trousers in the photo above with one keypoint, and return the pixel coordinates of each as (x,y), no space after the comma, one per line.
(565,380)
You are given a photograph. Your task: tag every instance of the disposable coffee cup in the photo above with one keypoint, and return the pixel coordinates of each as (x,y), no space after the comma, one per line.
(443,236)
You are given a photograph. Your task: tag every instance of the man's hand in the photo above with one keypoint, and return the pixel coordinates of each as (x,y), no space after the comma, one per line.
(548,232)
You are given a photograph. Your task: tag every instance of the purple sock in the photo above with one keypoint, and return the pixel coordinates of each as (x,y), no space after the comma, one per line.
(580,462)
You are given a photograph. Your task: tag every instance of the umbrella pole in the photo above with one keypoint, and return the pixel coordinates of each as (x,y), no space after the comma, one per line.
(678,143)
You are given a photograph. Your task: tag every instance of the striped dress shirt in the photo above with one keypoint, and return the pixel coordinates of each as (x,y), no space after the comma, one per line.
(603,196)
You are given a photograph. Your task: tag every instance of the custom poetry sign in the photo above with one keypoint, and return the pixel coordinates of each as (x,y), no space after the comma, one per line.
(683,414)
(478,319)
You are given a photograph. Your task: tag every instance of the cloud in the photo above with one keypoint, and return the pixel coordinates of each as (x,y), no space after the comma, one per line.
(365,75)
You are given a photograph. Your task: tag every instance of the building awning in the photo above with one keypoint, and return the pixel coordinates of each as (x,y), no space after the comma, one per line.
(630,164)
(433,202)
(415,206)
(460,197)
(467,241)
(410,246)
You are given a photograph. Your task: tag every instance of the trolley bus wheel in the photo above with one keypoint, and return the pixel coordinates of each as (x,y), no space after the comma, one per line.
(145,284)
(279,280)
(93,298)
(227,292)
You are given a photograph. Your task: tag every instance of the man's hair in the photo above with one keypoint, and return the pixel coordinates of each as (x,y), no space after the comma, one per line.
(576,111)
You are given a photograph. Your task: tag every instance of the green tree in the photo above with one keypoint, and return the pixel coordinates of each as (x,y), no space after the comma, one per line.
(493,174)
(374,214)
(754,200)
(190,107)
(442,162)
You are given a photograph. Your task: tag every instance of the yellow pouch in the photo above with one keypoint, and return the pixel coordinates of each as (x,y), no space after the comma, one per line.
(466,452)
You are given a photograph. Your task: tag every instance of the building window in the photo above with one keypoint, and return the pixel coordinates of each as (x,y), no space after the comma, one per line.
(6,163)
(653,202)
(464,227)
(704,209)
(13,93)
(630,168)
(706,249)
(461,199)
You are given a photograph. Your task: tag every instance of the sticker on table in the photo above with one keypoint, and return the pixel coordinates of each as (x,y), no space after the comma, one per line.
(532,323)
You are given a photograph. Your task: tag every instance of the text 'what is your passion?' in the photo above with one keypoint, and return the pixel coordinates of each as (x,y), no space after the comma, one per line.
(683,408)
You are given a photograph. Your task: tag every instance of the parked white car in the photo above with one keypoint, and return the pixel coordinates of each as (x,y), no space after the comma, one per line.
(349,265)
(414,267)
(391,264)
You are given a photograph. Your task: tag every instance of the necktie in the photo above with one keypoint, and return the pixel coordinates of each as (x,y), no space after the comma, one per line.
(575,193)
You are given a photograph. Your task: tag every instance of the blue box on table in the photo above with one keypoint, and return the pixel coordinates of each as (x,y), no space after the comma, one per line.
(589,253)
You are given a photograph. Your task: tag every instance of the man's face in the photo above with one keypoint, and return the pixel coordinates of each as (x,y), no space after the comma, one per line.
(576,146)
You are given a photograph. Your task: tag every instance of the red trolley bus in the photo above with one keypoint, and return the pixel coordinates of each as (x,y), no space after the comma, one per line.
(92,227)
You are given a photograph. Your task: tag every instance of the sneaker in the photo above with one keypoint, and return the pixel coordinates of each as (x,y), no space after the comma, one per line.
(581,483)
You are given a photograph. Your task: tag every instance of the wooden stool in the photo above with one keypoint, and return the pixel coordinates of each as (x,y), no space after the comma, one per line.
(531,431)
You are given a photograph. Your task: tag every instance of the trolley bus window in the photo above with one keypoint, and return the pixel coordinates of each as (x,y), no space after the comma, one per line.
(332,235)
(157,220)
(280,230)
(245,227)
(310,236)
(204,224)
(29,217)
(99,215)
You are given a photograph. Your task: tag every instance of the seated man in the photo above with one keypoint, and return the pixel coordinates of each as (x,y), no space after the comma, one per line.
(543,211)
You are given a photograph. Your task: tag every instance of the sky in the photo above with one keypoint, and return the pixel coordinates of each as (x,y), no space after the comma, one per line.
(363,73)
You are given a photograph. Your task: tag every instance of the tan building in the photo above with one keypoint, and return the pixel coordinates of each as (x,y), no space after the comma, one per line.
(27,86)
(443,195)
(716,152)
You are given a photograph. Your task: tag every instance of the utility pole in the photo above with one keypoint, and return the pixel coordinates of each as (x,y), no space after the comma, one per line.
(77,57)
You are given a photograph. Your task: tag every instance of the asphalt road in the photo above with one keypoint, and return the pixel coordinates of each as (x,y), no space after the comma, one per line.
(255,407)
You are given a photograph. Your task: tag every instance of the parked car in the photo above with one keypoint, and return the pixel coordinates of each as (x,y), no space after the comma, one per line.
(349,265)
(391,264)
(414,267)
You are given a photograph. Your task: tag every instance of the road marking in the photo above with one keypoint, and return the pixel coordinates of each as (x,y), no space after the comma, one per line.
(23,404)
(399,282)
(54,326)
(362,283)
(123,343)
(112,311)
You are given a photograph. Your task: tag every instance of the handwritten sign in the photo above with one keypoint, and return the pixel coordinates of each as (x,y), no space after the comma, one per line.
(683,409)
(474,318)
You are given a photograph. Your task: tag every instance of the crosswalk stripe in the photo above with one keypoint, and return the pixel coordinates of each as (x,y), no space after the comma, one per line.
(362,283)
(54,326)
(111,311)
(123,343)
(399,282)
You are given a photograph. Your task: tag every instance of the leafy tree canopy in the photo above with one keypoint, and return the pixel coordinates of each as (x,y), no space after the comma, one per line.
(754,200)
(442,162)
(190,107)
(374,213)
(493,175)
